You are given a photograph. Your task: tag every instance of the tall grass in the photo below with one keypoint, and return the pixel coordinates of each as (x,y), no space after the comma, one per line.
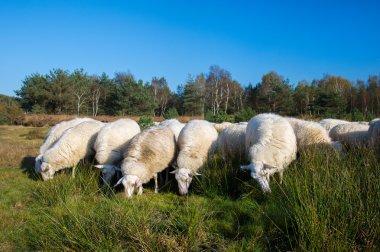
(326,203)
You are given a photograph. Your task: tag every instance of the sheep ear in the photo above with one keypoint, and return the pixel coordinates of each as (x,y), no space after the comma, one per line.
(197,174)
(268,167)
(119,182)
(174,172)
(137,182)
(246,167)
(99,166)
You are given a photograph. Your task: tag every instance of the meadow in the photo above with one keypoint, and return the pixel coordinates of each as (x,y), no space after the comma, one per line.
(327,202)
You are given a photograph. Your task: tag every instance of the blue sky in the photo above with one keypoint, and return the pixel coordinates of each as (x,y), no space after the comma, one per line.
(300,40)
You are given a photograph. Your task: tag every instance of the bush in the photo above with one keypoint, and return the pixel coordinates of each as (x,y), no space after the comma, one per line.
(244,115)
(10,113)
(35,134)
(218,118)
(171,113)
(145,122)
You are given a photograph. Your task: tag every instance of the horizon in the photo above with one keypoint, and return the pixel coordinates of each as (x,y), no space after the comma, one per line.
(170,39)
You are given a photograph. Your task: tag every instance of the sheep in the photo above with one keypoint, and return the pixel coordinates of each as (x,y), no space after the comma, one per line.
(53,135)
(310,133)
(231,142)
(196,141)
(148,153)
(221,126)
(351,134)
(374,135)
(111,143)
(75,144)
(271,146)
(328,124)
(174,125)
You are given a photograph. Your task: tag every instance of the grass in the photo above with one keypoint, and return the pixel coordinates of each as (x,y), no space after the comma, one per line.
(326,203)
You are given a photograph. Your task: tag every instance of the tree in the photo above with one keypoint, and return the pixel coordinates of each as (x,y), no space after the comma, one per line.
(160,93)
(80,84)
(192,97)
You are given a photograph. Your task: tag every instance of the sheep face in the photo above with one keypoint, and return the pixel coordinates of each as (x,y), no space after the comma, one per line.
(260,173)
(46,171)
(108,172)
(184,177)
(129,183)
(37,163)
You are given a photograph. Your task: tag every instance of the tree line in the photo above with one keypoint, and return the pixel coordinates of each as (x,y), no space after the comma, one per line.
(214,94)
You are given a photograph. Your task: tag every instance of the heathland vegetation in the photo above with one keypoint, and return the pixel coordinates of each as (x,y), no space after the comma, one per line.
(326,203)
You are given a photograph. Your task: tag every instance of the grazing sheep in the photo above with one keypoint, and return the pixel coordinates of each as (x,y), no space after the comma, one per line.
(148,153)
(174,125)
(351,134)
(328,124)
(374,135)
(309,134)
(231,142)
(53,135)
(111,143)
(75,144)
(196,141)
(271,146)
(221,126)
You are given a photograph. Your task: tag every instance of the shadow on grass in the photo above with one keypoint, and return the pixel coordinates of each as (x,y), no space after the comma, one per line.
(27,166)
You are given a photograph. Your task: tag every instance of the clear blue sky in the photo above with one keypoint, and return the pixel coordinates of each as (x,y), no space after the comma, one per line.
(300,40)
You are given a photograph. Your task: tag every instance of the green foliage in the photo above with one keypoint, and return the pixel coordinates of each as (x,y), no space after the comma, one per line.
(244,115)
(171,113)
(145,122)
(219,117)
(10,112)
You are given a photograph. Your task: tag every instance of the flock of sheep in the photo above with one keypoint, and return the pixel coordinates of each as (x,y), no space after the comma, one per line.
(268,142)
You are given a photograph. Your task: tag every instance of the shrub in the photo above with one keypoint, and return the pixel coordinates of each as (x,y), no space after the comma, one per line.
(145,122)
(244,115)
(171,113)
(220,117)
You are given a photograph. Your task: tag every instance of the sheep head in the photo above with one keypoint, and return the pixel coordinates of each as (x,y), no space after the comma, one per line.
(47,172)
(108,171)
(37,163)
(184,177)
(130,182)
(260,172)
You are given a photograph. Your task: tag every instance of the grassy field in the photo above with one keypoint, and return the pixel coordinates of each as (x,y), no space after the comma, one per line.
(326,203)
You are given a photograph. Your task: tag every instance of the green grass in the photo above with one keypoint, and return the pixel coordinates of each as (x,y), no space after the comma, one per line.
(326,203)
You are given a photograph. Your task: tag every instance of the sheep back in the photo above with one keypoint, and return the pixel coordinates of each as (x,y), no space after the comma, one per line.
(231,142)
(112,140)
(149,152)
(196,141)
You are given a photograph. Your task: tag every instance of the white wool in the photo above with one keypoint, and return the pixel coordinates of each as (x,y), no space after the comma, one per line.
(174,125)
(352,134)
(196,141)
(221,126)
(112,140)
(328,124)
(271,139)
(231,142)
(57,130)
(309,133)
(374,134)
(75,144)
(148,153)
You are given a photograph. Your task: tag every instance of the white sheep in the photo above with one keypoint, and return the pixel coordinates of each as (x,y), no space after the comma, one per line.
(53,135)
(75,144)
(148,153)
(111,143)
(174,125)
(231,142)
(196,141)
(271,146)
(351,134)
(309,133)
(374,134)
(221,126)
(329,123)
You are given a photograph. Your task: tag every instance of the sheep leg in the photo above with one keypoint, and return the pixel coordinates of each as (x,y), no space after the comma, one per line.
(281,176)
(140,190)
(155,183)
(73,171)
